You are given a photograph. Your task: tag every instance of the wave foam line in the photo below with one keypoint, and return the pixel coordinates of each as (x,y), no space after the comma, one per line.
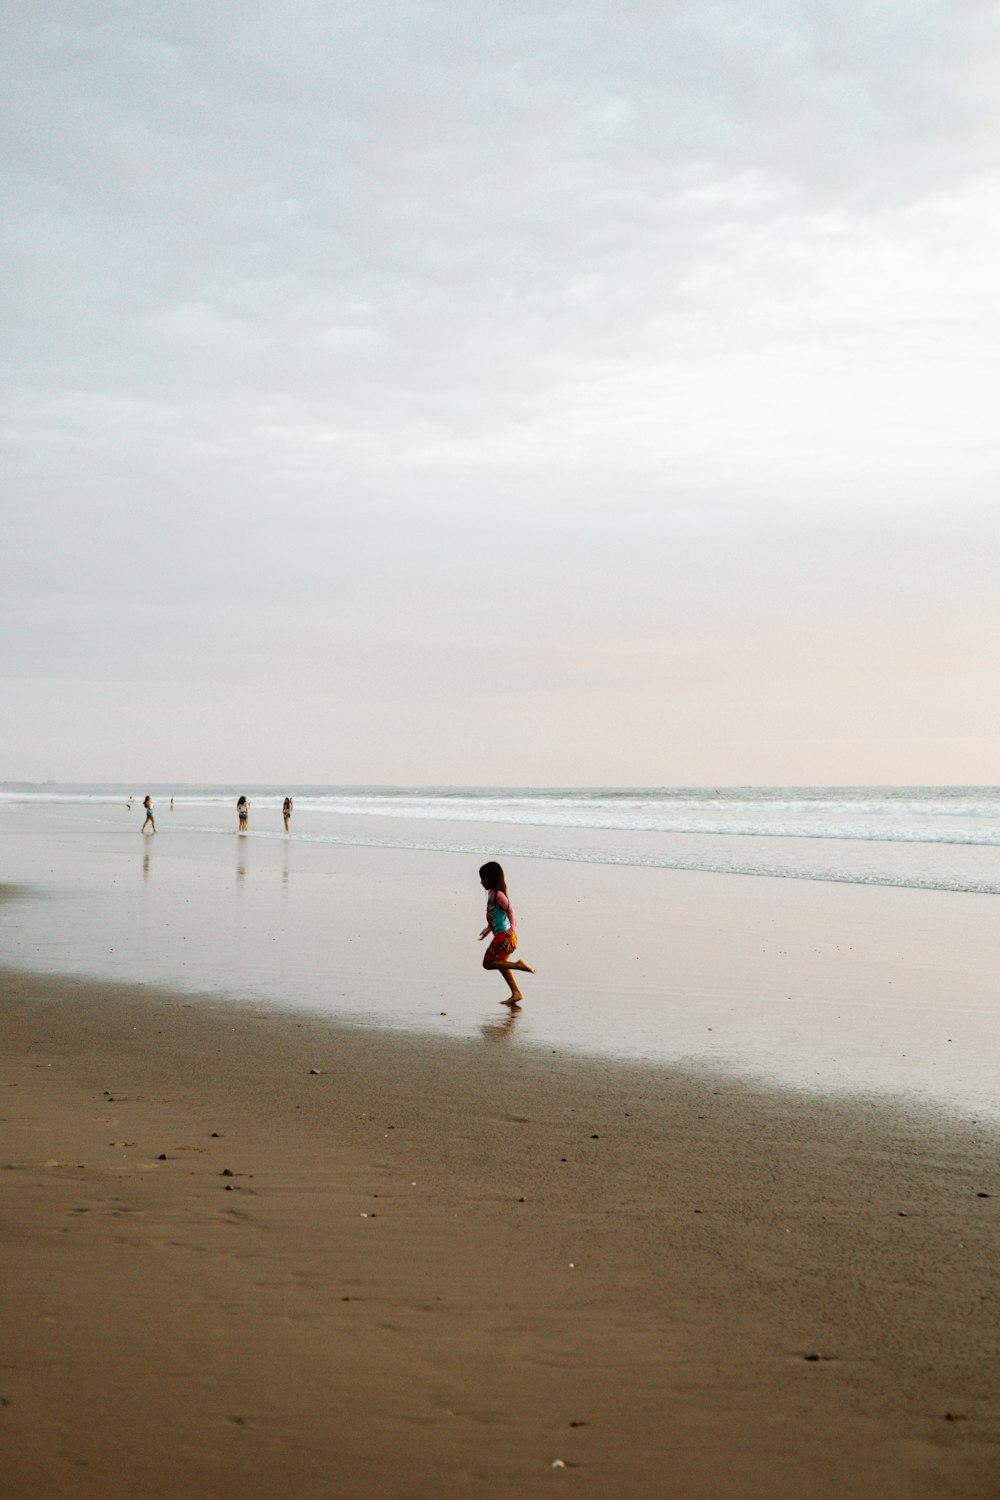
(901,881)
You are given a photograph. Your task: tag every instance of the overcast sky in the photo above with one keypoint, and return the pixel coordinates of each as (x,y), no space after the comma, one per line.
(501,392)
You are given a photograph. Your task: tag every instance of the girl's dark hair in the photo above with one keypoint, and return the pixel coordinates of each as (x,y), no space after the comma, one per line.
(493,875)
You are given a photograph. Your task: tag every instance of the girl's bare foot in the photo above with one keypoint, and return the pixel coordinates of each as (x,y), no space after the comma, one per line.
(525,968)
(514,999)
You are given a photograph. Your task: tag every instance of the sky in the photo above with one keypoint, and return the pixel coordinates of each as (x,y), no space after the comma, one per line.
(521,394)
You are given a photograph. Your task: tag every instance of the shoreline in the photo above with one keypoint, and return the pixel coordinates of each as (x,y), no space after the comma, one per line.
(862,990)
(442,1265)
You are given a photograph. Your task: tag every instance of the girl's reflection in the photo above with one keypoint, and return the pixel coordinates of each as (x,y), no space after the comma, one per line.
(502,1029)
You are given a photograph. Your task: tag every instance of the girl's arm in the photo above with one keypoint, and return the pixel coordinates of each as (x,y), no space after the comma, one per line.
(492,897)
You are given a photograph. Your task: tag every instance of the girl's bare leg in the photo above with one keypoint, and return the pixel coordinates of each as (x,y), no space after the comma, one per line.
(515,993)
(505,970)
(518,964)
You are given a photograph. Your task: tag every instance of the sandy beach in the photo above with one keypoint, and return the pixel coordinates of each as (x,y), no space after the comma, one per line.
(248,1254)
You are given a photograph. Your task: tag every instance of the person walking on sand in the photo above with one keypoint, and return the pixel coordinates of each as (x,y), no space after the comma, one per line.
(147,803)
(286,811)
(243,813)
(502,923)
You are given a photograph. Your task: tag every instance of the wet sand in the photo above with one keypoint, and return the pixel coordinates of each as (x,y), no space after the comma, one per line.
(798,982)
(445,1268)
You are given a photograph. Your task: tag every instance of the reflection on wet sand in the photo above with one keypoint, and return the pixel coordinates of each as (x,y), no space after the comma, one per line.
(502,1029)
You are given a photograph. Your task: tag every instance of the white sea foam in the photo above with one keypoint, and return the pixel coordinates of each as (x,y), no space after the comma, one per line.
(931,838)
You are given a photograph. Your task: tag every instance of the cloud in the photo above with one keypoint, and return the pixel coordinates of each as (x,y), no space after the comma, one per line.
(329,328)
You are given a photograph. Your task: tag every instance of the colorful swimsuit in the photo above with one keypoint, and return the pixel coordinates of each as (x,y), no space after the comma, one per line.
(500,917)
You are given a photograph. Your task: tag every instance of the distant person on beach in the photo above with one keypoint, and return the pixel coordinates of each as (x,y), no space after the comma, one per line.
(171,804)
(286,811)
(243,813)
(147,803)
(502,924)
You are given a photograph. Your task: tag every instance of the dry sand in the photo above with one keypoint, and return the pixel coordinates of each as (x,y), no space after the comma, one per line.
(448,1269)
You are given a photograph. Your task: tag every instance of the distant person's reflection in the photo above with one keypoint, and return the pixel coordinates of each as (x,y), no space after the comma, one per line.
(502,1029)
(145,865)
(284,866)
(241,863)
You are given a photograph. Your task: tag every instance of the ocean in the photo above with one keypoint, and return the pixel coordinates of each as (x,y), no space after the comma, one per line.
(929,838)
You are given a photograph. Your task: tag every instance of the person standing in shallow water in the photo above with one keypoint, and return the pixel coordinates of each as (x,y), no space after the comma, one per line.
(286,811)
(243,813)
(147,803)
(502,923)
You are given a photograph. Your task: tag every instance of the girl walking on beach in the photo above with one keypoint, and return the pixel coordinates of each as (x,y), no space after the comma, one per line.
(243,813)
(502,923)
(286,811)
(147,803)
